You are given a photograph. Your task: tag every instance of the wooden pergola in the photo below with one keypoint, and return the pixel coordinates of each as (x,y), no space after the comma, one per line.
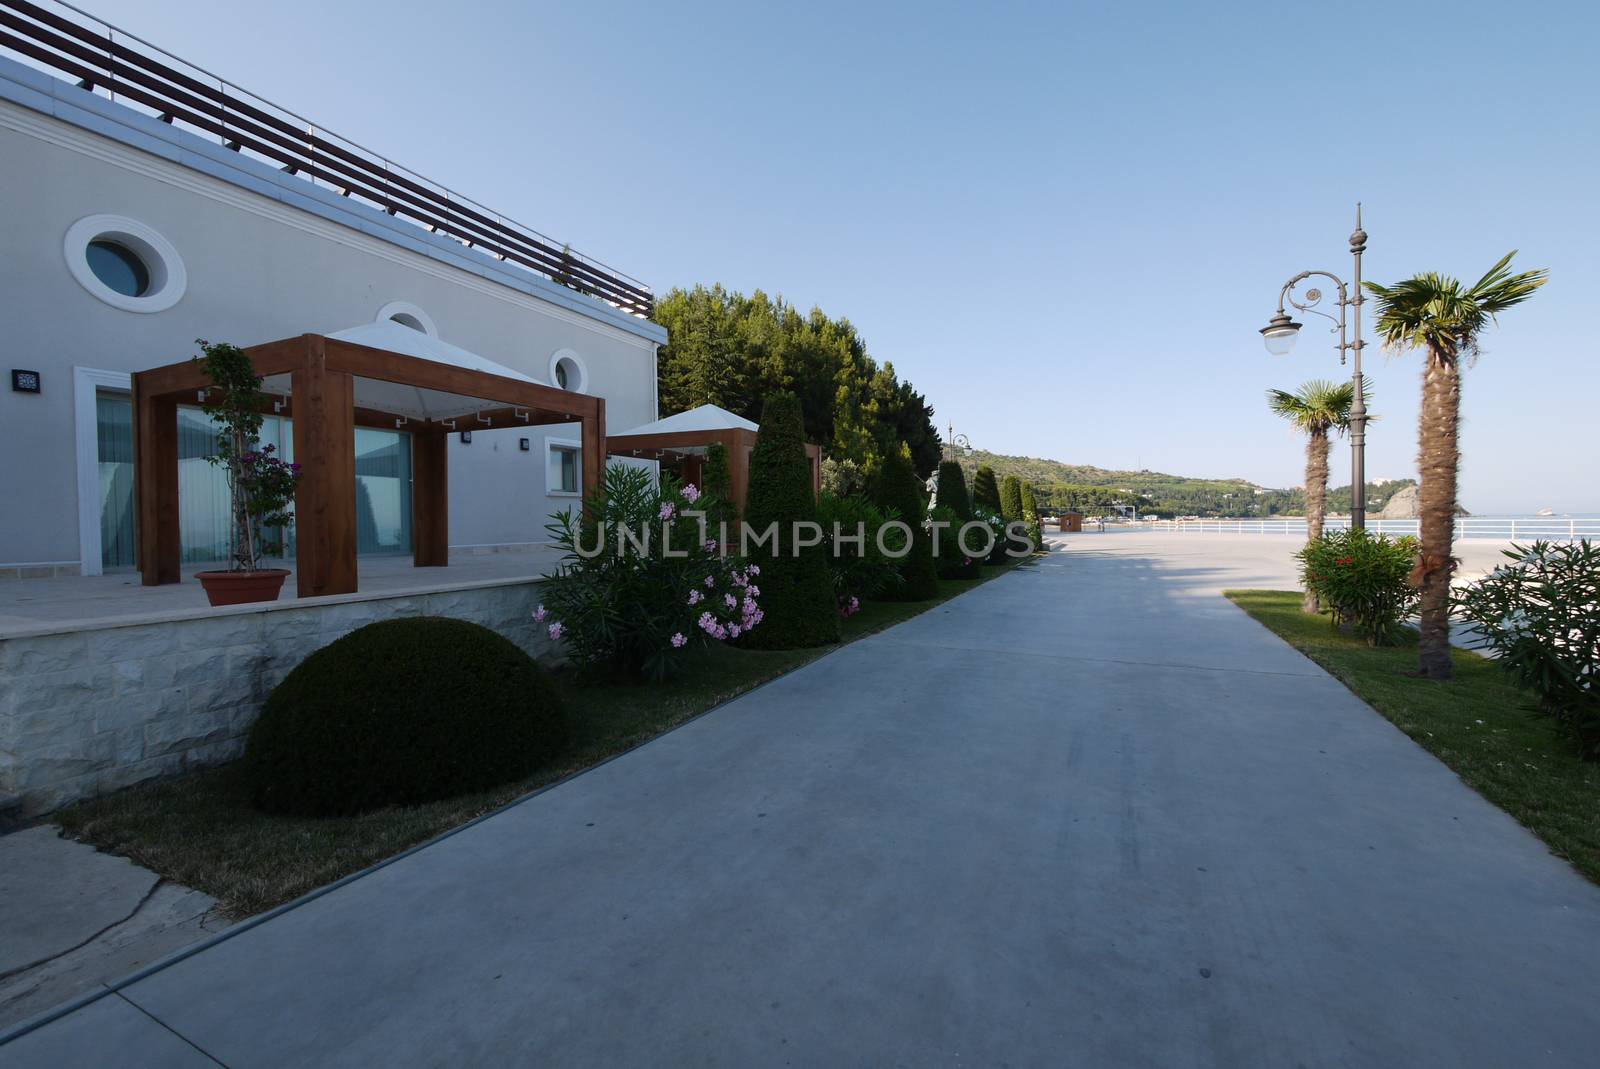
(689,447)
(322,376)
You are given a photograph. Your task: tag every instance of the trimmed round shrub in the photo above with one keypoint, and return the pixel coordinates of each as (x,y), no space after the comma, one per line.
(401,712)
(797,590)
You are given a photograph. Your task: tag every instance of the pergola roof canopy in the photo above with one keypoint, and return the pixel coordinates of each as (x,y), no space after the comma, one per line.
(704,418)
(403,399)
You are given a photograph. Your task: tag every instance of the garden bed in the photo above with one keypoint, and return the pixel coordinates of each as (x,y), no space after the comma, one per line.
(201,831)
(1478,723)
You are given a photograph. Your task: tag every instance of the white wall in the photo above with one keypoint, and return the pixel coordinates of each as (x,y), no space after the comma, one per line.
(258,269)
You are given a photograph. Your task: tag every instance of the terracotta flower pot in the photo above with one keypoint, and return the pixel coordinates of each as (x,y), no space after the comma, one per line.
(242,588)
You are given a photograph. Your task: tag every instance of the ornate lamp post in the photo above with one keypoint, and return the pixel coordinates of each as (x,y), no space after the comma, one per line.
(1281,331)
(955,441)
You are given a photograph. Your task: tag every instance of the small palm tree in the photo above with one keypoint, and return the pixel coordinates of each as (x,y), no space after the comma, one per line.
(1435,313)
(1317,408)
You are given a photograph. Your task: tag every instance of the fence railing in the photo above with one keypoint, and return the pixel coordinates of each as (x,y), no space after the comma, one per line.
(106,58)
(1521,529)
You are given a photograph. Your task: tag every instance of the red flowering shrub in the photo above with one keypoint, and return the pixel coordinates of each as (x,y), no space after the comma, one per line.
(1364,579)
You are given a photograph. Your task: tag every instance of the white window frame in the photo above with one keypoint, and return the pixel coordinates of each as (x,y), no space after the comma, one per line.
(572,357)
(87,382)
(552,466)
(169,279)
(406,308)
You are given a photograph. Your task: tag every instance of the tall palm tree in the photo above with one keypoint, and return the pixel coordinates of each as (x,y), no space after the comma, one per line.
(1317,408)
(1437,314)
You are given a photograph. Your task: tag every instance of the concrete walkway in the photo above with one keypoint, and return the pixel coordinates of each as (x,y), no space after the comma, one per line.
(1089,814)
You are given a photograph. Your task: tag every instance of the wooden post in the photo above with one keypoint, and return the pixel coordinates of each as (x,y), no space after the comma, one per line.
(325,499)
(430,499)
(594,449)
(155,466)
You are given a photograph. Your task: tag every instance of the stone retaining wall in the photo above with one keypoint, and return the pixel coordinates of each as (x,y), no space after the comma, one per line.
(85,712)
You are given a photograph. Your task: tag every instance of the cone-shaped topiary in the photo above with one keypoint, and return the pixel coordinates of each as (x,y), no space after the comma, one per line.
(1011,498)
(718,503)
(1030,516)
(897,487)
(796,591)
(986,491)
(956,508)
(953,490)
(401,712)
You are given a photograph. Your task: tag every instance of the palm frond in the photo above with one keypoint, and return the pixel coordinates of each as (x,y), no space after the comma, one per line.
(1433,311)
(1318,406)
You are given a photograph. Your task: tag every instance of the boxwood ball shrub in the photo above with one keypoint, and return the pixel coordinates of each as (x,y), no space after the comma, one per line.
(899,491)
(401,712)
(1363,579)
(798,589)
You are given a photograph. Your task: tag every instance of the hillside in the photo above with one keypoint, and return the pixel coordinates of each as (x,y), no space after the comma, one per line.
(1084,486)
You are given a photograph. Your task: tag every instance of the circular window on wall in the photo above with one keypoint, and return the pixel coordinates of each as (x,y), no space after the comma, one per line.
(408,315)
(125,263)
(567,371)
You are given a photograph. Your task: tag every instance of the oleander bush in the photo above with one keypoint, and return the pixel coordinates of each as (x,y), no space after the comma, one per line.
(398,713)
(641,581)
(799,604)
(1540,614)
(1363,580)
(861,569)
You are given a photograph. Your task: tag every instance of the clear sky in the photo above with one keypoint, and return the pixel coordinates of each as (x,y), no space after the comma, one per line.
(1064,222)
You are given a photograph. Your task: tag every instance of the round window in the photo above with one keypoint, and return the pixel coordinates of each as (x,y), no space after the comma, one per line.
(125,263)
(568,372)
(119,267)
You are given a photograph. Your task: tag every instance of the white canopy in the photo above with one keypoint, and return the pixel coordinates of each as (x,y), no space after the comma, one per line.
(704,418)
(411,401)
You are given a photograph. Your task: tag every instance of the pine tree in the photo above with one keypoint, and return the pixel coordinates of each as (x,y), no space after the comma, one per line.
(718,501)
(952,559)
(796,591)
(1030,516)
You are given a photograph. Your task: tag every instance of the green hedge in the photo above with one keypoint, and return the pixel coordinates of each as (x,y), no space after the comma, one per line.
(953,501)
(986,492)
(401,712)
(796,591)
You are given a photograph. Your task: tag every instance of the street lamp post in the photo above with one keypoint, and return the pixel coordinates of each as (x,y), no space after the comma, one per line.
(1281,331)
(957,441)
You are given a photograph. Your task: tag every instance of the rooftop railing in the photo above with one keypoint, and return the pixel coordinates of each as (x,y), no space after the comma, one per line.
(132,71)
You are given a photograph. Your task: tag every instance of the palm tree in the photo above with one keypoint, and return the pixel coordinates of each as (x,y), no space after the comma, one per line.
(1435,313)
(1319,407)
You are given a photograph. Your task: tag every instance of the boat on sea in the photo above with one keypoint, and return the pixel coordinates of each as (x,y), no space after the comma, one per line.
(1545,512)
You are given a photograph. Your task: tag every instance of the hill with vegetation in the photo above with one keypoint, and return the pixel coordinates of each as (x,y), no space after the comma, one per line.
(1058,485)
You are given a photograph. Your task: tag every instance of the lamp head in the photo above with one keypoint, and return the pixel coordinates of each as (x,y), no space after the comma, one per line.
(1279,334)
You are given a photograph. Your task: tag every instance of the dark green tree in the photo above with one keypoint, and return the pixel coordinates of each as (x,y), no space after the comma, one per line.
(1030,515)
(953,504)
(953,490)
(718,503)
(986,491)
(1011,498)
(796,590)
(898,487)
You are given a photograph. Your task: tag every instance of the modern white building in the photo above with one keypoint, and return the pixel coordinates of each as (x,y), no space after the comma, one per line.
(146,208)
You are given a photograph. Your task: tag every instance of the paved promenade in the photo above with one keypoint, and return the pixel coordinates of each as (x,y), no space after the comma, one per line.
(1088,814)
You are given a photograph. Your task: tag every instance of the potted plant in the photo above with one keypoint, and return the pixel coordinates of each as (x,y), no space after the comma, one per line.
(260,484)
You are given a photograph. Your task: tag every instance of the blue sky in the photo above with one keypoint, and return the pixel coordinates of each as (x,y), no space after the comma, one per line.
(1064,222)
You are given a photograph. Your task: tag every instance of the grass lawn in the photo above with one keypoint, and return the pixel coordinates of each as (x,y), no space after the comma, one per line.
(201,831)
(1477,723)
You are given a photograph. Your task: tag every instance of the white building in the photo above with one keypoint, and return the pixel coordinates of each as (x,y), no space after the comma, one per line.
(131,230)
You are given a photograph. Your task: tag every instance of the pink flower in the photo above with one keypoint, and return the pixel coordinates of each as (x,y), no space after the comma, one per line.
(678,640)
(691,493)
(556,631)
(668,510)
(855,603)
(694,597)
(753,591)
(749,606)
(733,629)
(712,545)
(754,569)
(729,600)
(539,615)
(711,581)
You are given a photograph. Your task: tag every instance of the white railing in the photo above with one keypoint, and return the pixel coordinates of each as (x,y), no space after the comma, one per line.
(1520,529)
